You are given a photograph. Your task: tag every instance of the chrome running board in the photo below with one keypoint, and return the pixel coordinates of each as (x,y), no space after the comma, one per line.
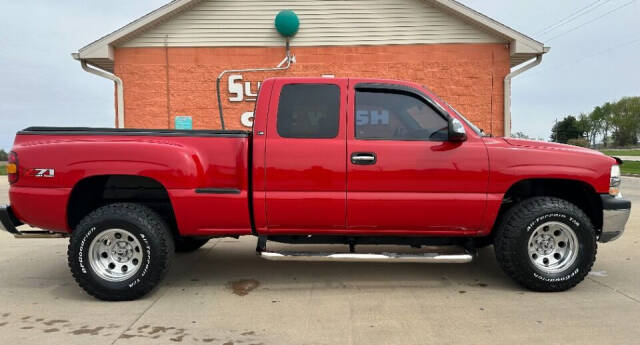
(357,257)
(39,234)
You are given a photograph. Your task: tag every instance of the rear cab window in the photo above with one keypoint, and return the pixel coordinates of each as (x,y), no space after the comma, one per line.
(309,111)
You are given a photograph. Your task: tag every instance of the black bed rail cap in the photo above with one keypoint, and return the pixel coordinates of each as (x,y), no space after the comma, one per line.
(132,132)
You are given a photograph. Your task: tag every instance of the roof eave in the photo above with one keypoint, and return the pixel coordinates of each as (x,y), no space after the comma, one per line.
(521,46)
(102,48)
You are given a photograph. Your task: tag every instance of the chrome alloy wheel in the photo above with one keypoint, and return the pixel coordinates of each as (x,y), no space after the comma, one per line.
(115,255)
(552,247)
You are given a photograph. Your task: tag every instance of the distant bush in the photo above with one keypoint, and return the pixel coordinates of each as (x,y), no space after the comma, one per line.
(578,142)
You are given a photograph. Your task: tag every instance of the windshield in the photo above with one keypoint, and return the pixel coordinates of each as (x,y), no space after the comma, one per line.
(475,128)
(469,123)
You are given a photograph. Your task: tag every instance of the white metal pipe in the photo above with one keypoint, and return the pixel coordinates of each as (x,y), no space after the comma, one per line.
(507,92)
(119,89)
(289,59)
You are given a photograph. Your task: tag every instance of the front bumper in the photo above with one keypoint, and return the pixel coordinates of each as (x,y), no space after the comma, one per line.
(615,213)
(9,222)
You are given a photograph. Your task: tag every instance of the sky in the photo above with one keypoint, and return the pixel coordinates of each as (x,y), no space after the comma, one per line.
(594,58)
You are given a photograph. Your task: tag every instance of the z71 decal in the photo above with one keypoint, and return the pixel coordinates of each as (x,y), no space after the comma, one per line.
(38,172)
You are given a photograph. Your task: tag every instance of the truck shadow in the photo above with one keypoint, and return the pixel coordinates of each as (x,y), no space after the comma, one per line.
(232,267)
(226,263)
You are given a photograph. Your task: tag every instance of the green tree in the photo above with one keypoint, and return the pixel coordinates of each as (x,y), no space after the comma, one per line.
(521,135)
(597,119)
(567,128)
(4,156)
(588,127)
(617,123)
(625,121)
(607,111)
(578,142)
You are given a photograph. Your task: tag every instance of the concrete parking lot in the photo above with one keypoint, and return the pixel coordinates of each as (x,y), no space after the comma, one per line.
(224,294)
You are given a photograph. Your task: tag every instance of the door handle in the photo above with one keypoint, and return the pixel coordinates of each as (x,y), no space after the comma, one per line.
(363,158)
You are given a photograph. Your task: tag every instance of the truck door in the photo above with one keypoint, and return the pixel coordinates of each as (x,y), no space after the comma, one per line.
(403,175)
(305,171)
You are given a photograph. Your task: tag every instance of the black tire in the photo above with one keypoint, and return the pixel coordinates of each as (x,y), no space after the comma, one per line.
(150,231)
(189,244)
(511,243)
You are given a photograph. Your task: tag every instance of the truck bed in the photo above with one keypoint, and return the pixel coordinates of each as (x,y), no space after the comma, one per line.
(203,174)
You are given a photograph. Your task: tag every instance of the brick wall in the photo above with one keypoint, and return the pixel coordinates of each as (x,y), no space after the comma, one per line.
(469,76)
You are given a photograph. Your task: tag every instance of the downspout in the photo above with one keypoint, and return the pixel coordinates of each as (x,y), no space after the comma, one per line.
(507,91)
(115,79)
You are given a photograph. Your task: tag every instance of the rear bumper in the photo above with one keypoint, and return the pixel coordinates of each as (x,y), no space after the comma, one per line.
(8,222)
(615,213)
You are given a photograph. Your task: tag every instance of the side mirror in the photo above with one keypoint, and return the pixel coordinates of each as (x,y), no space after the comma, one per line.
(456,130)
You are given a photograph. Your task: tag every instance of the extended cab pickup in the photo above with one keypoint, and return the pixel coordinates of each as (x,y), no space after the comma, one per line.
(329,160)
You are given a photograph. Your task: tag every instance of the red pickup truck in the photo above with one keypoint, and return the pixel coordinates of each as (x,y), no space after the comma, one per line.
(329,160)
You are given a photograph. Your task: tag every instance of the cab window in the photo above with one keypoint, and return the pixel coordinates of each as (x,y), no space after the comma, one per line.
(397,115)
(309,111)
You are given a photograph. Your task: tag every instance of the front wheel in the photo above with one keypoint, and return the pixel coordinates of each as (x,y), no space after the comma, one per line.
(120,251)
(546,244)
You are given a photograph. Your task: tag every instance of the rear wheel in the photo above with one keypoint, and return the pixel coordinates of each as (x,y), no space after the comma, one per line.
(120,251)
(189,244)
(546,244)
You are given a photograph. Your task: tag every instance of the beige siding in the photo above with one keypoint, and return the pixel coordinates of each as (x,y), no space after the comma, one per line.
(322,22)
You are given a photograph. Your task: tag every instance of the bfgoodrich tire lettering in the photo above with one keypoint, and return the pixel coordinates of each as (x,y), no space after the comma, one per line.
(153,243)
(515,238)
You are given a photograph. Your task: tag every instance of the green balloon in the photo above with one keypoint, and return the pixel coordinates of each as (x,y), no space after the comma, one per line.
(287,23)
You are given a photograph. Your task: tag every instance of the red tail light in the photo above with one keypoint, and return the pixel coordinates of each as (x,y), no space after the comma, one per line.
(12,167)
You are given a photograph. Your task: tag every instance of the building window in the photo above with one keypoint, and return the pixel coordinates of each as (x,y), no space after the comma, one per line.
(309,111)
(397,115)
